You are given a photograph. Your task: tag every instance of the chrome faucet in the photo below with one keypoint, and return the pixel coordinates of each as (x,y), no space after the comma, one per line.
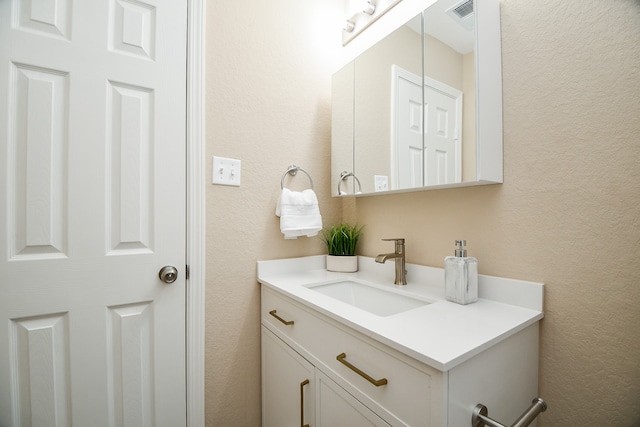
(398,255)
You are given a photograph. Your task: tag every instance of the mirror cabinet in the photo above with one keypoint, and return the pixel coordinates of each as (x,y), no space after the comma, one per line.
(422,108)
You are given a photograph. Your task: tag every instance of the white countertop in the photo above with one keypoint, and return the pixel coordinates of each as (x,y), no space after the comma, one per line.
(441,334)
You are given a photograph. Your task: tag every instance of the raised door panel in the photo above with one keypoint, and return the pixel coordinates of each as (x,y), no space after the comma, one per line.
(38,150)
(130,138)
(40,363)
(48,18)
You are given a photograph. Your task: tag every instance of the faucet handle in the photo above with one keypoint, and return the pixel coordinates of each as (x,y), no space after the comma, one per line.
(398,240)
(399,244)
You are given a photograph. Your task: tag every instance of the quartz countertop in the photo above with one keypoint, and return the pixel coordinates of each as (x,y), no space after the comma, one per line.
(441,334)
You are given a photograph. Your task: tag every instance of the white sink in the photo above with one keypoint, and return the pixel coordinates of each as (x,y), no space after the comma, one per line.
(379,301)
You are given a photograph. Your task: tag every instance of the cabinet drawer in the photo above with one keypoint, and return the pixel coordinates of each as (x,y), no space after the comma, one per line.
(412,394)
(282,315)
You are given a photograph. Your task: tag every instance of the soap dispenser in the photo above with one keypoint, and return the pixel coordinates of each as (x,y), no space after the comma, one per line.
(461,276)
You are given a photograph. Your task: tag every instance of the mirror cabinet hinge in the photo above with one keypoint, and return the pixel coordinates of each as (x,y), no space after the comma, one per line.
(187,271)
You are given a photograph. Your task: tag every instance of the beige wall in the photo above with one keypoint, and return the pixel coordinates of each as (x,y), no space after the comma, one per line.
(268,100)
(567,215)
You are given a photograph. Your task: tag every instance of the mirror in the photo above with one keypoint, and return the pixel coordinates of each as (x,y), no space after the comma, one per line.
(407,114)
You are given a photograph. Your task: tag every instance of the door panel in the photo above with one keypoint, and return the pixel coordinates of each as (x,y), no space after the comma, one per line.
(443,133)
(92,124)
(408,124)
(288,384)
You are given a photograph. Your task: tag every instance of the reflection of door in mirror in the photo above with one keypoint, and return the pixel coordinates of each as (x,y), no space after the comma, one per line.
(436,158)
(407,148)
(442,133)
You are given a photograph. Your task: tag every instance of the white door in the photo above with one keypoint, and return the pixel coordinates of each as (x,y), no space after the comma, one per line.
(92,205)
(442,133)
(407,145)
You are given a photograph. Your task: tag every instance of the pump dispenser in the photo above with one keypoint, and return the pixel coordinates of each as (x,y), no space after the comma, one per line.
(461,276)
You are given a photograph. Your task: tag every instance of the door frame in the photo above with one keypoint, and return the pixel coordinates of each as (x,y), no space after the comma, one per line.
(195,205)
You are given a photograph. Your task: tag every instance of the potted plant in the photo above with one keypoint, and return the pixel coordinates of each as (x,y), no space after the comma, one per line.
(341,240)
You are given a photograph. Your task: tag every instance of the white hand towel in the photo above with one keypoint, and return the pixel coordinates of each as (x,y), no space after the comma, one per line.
(299,213)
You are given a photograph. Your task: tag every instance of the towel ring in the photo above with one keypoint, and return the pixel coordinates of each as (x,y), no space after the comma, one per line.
(344,175)
(293,170)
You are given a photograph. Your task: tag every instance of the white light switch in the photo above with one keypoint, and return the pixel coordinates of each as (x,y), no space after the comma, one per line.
(226,171)
(381,182)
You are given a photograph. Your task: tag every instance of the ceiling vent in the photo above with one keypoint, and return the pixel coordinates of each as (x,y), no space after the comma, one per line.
(462,13)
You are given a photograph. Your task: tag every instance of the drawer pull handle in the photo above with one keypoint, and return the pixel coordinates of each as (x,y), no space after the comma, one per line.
(286,322)
(342,359)
(302,384)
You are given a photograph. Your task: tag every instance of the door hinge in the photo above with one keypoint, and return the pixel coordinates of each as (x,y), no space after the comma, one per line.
(186,271)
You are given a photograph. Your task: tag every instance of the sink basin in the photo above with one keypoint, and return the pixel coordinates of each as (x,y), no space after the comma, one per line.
(378,301)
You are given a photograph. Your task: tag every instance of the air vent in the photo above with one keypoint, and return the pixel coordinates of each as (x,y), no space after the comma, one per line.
(464,9)
(462,13)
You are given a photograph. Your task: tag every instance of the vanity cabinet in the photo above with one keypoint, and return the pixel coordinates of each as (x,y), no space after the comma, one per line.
(371,384)
(425,367)
(355,380)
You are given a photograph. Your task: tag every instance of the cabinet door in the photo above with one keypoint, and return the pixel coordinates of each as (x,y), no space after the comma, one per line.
(335,407)
(288,383)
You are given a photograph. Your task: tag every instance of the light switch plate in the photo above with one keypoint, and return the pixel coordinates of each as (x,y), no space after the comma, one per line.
(226,171)
(381,182)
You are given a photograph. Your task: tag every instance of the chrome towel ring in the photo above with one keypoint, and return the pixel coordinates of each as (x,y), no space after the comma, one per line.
(293,170)
(344,175)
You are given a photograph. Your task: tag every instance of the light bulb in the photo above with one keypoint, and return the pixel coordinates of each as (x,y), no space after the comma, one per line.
(350,26)
(369,8)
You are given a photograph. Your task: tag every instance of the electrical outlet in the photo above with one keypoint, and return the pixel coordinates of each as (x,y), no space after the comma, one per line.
(381,182)
(226,171)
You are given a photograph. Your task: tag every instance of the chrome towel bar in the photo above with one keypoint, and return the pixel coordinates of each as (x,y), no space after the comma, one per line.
(480,416)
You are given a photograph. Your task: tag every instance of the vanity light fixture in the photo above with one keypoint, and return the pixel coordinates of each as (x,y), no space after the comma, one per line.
(349,27)
(370,12)
(370,8)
